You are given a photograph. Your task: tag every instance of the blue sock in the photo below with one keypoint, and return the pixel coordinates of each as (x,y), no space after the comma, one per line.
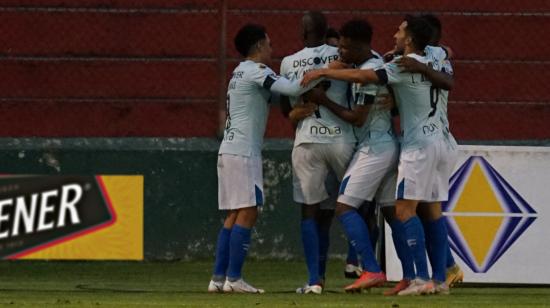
(324,243)
(238,248)
(352,255)
(450,258)
(436,236)
(222,253)
(358,235)
(402,250)
(310,242)
(373,236)
(414,235)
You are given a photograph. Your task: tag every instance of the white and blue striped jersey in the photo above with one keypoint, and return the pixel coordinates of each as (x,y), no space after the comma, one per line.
(323,126)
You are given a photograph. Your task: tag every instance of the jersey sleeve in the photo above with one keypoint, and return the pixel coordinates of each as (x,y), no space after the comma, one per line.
(393,73)
(366,93)
(447,67)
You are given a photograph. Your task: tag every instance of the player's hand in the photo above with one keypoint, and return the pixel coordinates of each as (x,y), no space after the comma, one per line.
(411,65)
(302,111)
(386,102)
(338,65)
(311,76)
(388,56)
(316,96)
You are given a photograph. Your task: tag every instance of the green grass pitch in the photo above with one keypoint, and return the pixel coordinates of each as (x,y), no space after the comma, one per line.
(172,284)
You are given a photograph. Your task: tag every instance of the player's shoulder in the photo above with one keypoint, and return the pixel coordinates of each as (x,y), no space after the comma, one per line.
(255,69)
(436,52)
(373,62)
(417,57)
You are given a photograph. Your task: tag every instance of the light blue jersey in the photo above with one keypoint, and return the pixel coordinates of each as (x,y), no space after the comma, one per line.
(248,94)
(416,100)
(437,58)
(377,131)
(323,126)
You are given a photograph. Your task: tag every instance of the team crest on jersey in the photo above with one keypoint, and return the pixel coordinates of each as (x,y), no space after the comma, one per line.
(485,215)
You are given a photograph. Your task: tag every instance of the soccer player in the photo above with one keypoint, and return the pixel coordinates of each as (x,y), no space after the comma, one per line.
(370,170)
(439,73)
(426,158)
(240,183)
(323,145)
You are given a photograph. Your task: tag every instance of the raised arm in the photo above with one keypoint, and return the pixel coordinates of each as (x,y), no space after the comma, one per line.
(350,75)
(439,79)
(286,87)
(356,117)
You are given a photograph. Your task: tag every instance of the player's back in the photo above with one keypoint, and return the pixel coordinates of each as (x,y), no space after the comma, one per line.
(323,126)
(417,109)
(377,129)
(437,58)
(247,109)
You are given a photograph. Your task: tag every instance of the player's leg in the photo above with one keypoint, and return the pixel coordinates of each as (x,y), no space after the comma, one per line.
(339,157)
(386,197)
(324,221)
(360,183)
(310,172)
(435,223)
(414,183)
(436,238)
(222,253)
(240,186)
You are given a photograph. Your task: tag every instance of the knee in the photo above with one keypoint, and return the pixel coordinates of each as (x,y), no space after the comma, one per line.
(309,211)
(341,209)
(247,217)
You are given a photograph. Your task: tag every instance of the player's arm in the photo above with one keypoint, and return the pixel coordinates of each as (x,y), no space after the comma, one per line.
(349,75)
(356,117)
(286,87)
(438,79)
(300,112)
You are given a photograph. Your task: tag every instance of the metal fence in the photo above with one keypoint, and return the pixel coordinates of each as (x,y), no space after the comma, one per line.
(159,68)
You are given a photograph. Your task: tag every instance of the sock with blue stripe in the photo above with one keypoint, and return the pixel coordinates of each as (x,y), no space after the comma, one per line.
(352,255)
(324,243)
(222,254)
(238,249)
(436,236)
(414,236)
(402,250)
(358,234)
(310,242)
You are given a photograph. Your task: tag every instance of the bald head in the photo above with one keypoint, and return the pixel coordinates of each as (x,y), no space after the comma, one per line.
(314,25)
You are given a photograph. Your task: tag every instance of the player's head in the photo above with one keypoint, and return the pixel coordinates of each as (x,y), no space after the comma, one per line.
(332,37)
(435,23)
(355,39)
(413,34)
(253,41)
(314,26)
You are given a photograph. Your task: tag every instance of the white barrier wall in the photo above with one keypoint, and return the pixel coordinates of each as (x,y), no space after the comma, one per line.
(498,215)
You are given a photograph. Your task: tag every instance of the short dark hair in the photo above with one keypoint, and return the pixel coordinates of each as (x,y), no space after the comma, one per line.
(435,23)
(357,30)
(247,37)
(331,32)
(318,24)
(419,30)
